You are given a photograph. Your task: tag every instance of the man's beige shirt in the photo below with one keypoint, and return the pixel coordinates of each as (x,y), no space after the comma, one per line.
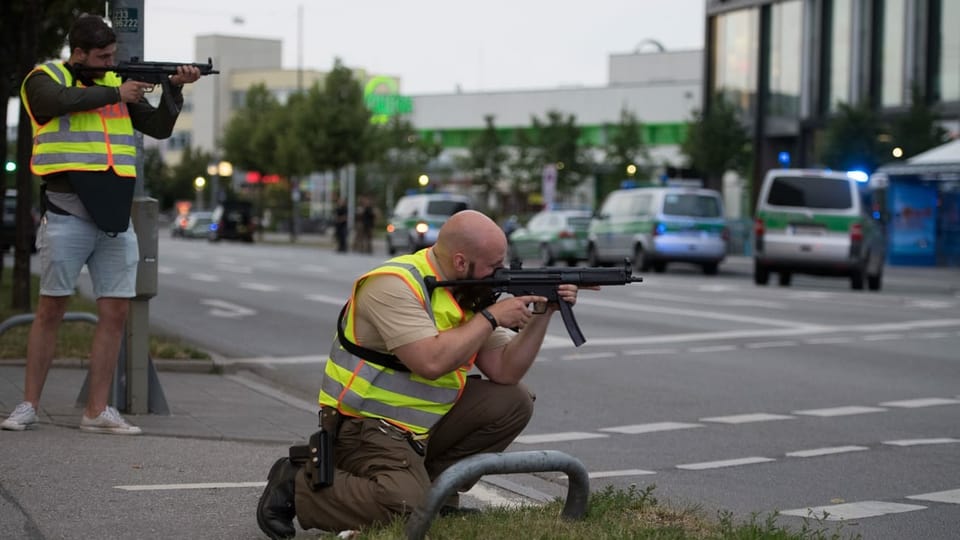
(388,315)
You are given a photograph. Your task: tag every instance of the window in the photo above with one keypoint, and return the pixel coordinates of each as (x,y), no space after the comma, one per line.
(837,72)
(893,18)
(736,36)
(810,192)
(691,205)
(786,25)
(445,208)
(948,41)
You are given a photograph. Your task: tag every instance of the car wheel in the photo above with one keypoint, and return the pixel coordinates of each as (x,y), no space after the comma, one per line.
(857,278)
(784,279)
(546,256)
(390,249)
(640,261)
(761,275)
(659,267)
(710,269)
(874,282)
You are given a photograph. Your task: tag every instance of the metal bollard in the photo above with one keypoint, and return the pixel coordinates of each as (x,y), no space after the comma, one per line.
(471,469)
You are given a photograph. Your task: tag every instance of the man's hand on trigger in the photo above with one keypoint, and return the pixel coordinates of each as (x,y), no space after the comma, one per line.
(185,74)
(514,312)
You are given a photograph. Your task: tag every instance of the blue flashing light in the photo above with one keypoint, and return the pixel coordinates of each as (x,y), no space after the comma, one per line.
(213,226)
(628,184)
(859,176)
(876,214)
(784,158)
(661,228)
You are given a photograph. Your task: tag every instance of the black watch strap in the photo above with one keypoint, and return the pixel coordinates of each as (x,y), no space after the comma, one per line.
(493,320)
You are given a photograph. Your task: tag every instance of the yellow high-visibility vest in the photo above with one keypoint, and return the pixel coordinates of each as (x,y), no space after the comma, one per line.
(358,387)
(94,140)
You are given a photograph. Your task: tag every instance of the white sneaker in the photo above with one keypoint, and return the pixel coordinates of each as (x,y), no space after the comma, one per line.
(21,418)
(110,422)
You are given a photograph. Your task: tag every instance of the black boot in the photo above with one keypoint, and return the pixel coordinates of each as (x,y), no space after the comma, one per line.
(275,511)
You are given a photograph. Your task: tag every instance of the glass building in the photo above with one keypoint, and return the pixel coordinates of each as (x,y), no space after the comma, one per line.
(786,65)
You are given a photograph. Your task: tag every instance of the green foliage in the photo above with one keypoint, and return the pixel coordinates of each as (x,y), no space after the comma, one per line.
(251,137)
(346,120)
(855,138)
(717,142)
(556,141)
(487,156)
(918,130)
(625,147)
(398,156)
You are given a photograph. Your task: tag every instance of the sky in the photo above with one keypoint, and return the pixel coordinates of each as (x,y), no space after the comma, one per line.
(435,46)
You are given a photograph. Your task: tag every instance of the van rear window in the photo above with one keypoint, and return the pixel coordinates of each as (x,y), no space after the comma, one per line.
(445,208)
(691,205)
(810,192)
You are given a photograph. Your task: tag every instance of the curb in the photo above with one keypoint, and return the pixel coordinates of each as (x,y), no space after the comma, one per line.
(162,364)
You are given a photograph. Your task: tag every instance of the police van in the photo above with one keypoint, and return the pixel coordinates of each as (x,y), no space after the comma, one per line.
(416,219)
(655,226)
(818,222)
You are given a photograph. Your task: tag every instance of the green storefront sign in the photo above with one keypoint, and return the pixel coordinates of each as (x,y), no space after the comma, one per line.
(382,97)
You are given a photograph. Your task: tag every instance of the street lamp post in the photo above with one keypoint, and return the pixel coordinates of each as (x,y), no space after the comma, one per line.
(217,171)
(198,184)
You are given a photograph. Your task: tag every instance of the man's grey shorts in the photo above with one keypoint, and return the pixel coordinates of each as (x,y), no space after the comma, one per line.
(66,243)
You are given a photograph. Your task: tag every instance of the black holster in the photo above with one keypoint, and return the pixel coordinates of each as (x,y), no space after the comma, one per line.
(316,456)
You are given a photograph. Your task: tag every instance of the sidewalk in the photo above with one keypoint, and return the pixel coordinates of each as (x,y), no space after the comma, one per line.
(196,473)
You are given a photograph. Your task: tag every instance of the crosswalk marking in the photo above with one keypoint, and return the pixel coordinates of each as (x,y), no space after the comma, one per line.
(921,442)
(558,437)
(920,402)
(815,452)
(951,496)
(724,463)
(857,510)
(746,418)
(650,428)
(840,411)
(262,287)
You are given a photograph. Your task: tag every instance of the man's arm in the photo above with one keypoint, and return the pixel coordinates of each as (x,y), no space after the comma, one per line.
(49,99)
(156,122)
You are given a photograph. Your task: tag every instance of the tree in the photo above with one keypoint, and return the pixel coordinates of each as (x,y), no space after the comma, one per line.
(625,147)
(918,130)
(557,141)
(717,142)
(30,31)
(854,140)
(398,155)
(486,156)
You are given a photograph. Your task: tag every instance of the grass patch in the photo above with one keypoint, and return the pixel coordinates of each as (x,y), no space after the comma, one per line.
(612,514)
(74,338)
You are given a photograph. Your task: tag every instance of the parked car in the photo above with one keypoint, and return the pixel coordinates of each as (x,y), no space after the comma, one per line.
(817,222)
(552,235)
(232,220)
(416,219)
(192,225)
(8,224)
(656,226)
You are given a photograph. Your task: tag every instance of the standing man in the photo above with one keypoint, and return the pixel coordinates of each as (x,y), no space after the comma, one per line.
(83,120)
(398,400)
(342,217)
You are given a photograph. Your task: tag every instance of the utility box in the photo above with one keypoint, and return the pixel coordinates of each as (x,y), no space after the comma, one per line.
(145,214)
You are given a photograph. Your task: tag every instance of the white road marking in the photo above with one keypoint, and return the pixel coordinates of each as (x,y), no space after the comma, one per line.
(930,304)
(920,442)
(814,452)
(335,300)
(222,308)
(650,428)
(558,437)
(882,337)
(827,340)
(165,270)
(934,335)
(920,402)
(207,278)
(951,496)
(588,356)
(770,344)
(208,485)
(840,411)
(857,510)
(262,287)
(236,269)
(695,313)
(724,463)
(712,348)
(640,352)
(746,418)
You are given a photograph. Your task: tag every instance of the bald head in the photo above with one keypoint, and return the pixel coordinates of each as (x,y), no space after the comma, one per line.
(470,236)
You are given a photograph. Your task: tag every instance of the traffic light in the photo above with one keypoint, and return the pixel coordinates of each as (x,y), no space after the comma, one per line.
(11,166)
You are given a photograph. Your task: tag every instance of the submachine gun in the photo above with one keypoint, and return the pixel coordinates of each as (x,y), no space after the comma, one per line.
(543,281)
(154,73)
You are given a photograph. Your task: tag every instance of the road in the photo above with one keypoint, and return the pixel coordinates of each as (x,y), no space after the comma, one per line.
(721,393)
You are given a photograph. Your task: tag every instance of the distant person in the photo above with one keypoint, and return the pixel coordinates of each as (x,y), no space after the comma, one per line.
(341,218)
(85,154)
(399,406)
(366,218)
